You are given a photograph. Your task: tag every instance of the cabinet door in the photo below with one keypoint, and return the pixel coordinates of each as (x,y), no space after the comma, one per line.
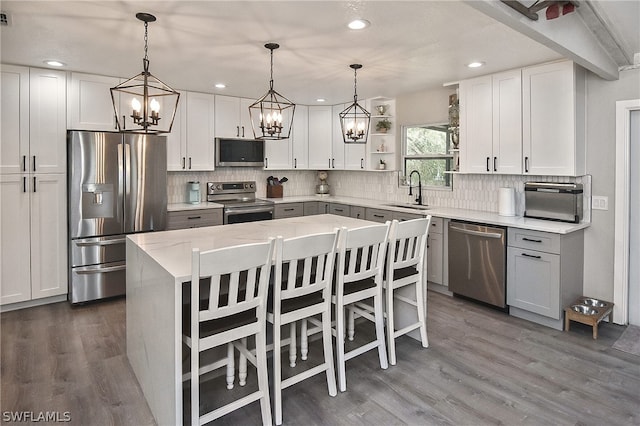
(435,249)
(476,125)
(49,236)
(337,143)
(310,208)
(177,139)
(246,130)
(320,137)
(200,131)
(47,121)
(14,149)
(277,154)
(357,212)
(507,123)
(227,121)
(15,265)
(533,281)
(339,209)
(89,105)
(300,138)
(549,119)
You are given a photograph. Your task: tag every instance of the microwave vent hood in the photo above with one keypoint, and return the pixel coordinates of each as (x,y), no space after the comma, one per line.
(232,152)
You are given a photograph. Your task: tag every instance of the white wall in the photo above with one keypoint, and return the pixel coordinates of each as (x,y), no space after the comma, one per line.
(601,133)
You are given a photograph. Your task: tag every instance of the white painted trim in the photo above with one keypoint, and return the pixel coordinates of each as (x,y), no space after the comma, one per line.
(621,243)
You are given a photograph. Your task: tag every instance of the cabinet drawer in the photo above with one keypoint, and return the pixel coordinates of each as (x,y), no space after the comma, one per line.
(401,217)
(339,209)
(358,212)
(288,210)
(377,215)
(194,218)
(310,208)
(534,240)
(437,225)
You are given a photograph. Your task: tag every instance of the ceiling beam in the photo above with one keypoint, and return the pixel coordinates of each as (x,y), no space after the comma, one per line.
(567,35)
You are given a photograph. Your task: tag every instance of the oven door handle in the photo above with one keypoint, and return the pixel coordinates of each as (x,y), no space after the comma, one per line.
(240,210)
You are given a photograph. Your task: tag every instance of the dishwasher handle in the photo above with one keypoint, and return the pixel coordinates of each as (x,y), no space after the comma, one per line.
(475,233)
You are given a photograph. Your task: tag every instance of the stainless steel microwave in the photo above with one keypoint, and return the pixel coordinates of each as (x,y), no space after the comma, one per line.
(239,152)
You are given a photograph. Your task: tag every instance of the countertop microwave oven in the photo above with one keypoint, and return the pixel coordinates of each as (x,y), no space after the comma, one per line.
(553,201)
(239,152)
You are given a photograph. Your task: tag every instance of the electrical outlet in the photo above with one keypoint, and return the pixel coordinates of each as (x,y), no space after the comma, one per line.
(600,203)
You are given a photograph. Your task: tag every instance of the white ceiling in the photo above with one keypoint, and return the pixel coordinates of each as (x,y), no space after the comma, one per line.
(412,45)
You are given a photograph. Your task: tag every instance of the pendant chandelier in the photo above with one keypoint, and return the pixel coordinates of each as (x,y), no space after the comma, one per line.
(272,114)
(144,104)
(355,120)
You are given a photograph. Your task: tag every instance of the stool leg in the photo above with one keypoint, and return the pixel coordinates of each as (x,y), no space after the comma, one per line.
(230,366)
(292,345)
(242,365)
(304,340)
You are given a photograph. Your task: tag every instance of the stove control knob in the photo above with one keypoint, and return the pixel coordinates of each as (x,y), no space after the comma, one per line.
(218,186)
(251,185)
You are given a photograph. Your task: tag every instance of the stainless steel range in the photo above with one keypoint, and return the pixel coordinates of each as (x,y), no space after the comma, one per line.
(240,202)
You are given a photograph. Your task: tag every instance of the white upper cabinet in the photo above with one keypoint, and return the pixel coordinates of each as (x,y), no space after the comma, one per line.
(232,117)
(33,121)
(320,136)
(554,119)
(90,106)
(491,124)
(190,145)
(277,154)
(14,150)
(507,122)
(177,139)
(300,137)
(337,143)
(47,121)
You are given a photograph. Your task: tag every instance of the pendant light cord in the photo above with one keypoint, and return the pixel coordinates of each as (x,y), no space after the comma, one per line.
(271,80)
(145,60)
(355,85)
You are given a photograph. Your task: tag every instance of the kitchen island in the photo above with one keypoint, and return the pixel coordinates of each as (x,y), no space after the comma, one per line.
(158,265)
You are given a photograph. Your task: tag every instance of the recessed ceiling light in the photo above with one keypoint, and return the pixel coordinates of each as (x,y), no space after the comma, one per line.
(358,24)
(220,85)
(321,100)
(54,63)
(475,64)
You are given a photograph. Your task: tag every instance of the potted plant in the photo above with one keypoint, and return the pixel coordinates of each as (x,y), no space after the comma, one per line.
(383,125)
(382,164)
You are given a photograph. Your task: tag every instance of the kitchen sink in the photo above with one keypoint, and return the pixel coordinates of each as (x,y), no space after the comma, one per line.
(410,206)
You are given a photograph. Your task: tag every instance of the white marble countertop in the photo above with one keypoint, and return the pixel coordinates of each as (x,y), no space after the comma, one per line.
(448,213)
(176,207)
(172,249)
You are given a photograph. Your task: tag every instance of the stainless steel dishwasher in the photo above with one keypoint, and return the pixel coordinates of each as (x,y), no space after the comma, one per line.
(477,262)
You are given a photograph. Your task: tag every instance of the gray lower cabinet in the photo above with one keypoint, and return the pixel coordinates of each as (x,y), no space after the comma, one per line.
(340,209)
(435,251)
(378,215)
(310,208)
(357,212)
(544,274)
(284,210)
(193,218)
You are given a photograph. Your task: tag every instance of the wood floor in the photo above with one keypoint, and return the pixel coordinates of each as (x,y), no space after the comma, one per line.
(482,367)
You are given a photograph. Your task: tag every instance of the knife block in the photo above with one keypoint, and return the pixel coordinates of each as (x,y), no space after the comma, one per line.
(274,191)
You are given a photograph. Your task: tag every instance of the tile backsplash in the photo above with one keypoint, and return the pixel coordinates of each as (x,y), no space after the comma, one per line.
(473,192)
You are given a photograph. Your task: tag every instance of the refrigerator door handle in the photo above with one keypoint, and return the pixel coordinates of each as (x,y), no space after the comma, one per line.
(121,172)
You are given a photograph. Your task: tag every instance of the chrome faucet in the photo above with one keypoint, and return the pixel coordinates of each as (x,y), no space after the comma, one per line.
(419,199)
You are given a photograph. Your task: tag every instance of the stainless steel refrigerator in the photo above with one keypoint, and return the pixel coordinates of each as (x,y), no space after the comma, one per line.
(117,186)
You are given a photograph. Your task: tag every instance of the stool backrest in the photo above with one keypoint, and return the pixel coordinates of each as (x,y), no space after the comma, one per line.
(407,243)
(361,253)
(304,265)
(239,279)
